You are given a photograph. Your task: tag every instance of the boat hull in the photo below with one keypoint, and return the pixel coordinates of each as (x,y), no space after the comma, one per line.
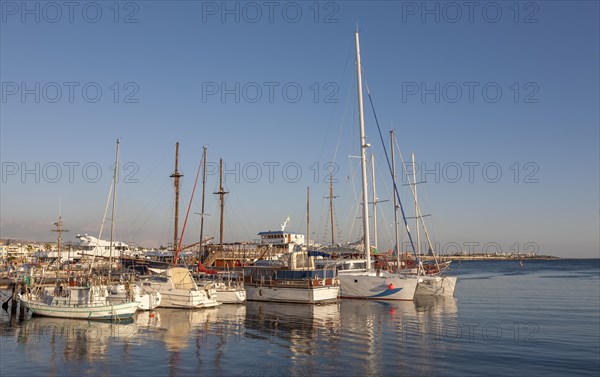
(148,299)
(186,299)
(377,286)
(436,286)
(96,312)
(231,295)
(304,295)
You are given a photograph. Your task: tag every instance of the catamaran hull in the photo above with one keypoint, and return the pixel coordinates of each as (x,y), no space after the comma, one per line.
(436,286)
(303,295)
(370,285)
(100,312)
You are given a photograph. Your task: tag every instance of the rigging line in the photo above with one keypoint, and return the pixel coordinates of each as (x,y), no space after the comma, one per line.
(344,114)
(187,214)
(348,59)
(392,174)
(355,209)
(413,188)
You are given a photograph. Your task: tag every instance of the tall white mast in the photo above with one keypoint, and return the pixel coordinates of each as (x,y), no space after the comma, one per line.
(114,199)
(374,202)
(417,212)
(363,159)
(396,230)
(307,218)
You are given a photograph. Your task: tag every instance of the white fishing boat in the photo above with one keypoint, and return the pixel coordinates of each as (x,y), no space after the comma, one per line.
(87,302)
(179,290)
(297,281)
(148,298)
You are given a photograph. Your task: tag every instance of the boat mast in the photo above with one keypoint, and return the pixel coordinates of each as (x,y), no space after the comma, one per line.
(307,217)
(417,212)
(202,207)
(363,159)
(374,202)
(221,194)
(176,177)
(396,230)
(331,197)
(58,228)
(114,200)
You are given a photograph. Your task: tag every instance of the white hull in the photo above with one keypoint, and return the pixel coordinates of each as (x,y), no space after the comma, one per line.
(231,295)
(377,286)
(436,286)
(305,295)
(182,298)
(96,311)
(148,300)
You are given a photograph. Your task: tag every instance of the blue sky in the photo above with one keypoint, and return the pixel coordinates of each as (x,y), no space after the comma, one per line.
(498,100)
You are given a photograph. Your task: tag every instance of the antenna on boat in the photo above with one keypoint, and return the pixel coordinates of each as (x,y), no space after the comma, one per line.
(176,177)
(287,220)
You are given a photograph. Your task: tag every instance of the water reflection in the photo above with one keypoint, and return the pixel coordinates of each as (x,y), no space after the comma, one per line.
(176,328)
(298,326)
(311,339)
(397,328)
(66,345)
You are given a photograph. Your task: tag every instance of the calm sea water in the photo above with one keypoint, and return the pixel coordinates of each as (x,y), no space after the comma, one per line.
(539,319)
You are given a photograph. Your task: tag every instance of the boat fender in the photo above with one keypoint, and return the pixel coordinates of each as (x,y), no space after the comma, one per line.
(260,292)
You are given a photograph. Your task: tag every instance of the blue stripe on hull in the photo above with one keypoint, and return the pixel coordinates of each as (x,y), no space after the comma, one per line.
(387,292)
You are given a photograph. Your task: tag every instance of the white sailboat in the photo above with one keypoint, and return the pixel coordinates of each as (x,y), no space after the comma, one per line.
(366,282)
(432,281)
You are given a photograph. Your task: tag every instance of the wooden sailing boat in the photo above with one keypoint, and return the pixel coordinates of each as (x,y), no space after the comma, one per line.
(176,284)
